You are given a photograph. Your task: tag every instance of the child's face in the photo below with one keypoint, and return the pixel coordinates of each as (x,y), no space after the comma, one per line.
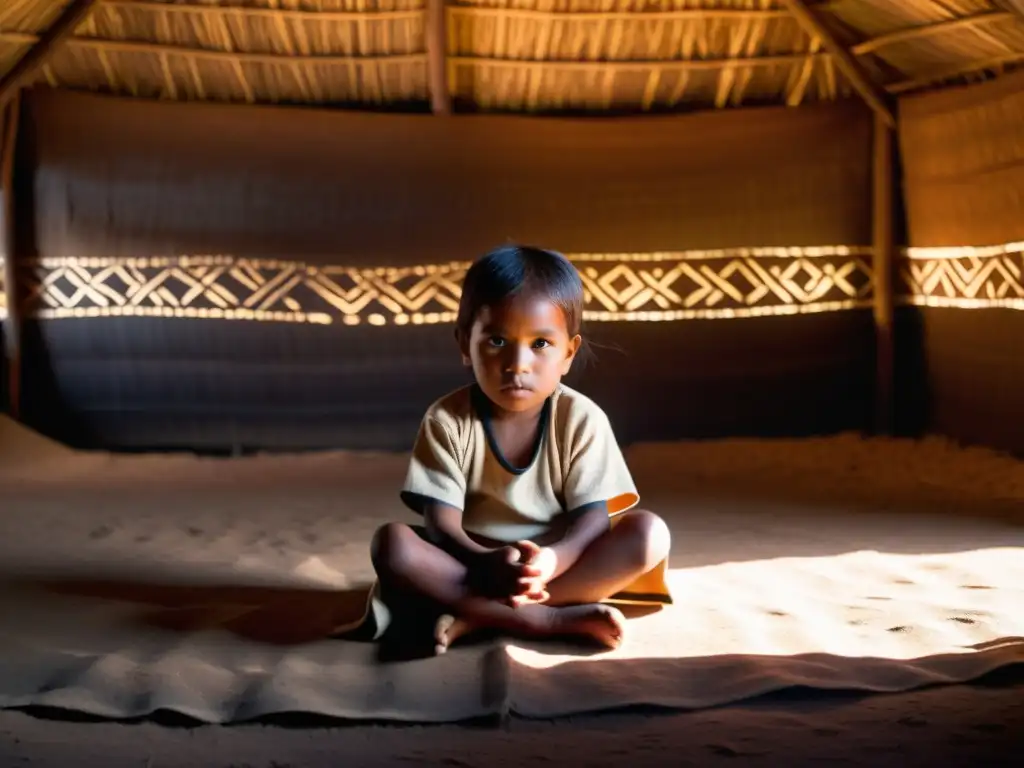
(519,351)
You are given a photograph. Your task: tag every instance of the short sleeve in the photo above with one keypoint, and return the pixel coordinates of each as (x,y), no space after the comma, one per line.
(435,472)
(597,469)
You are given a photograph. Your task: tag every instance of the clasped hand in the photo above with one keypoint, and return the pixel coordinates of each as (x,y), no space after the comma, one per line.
(518,573)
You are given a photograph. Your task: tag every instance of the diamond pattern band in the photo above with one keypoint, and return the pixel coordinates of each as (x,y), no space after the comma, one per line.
(706,284)
(619,287)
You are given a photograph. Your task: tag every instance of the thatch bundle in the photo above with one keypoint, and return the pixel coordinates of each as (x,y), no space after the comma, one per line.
(520,55)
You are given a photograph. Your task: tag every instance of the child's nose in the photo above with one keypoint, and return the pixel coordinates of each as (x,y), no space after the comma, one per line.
(519,359)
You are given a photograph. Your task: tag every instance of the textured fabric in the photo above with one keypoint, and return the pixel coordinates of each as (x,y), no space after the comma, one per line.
(128,177)
(962,157)
(577,462)
(116,178)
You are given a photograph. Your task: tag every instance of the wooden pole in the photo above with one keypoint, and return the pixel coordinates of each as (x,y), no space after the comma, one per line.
(27,66)
(883,251)
(12,323)
(437,65)
(848,65)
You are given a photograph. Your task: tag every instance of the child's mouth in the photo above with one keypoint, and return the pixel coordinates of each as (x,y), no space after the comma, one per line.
(516,390)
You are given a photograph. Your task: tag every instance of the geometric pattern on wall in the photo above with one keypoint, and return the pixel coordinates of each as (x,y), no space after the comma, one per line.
(966,277)
(705,284)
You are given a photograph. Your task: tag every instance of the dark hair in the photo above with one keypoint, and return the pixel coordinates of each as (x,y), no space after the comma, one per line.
(512,269)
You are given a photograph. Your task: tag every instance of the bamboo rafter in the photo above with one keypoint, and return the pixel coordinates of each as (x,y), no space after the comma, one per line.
(437,52)
(978,31)
(812,25)
(958,70)
(681,14)
(61,30)
(132,46)
(636,64)
(249,11)
(461,10)
(929,30)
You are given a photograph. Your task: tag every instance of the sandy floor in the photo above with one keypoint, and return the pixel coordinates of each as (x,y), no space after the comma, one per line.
(971,726)
(929,500)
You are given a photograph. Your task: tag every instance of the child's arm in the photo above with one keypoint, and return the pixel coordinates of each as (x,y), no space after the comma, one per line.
(496,573)
(444,526)
(589,522)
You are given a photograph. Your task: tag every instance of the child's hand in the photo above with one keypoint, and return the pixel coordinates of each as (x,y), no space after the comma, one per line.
(502,574)
(543,563)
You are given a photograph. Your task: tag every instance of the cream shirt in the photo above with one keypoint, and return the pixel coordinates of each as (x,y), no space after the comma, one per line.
(576,461)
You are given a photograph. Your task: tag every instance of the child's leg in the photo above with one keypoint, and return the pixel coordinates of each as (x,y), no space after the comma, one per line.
(414,572)
(636,545)
(633,547)
(407,565)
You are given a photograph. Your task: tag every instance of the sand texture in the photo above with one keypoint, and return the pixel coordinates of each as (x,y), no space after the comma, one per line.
(208,586)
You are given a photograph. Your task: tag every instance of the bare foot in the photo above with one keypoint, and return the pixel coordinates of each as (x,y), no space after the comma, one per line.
(597,623)
(448,630)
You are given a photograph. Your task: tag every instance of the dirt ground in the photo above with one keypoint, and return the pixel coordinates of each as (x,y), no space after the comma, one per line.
(968,725)
(980,724)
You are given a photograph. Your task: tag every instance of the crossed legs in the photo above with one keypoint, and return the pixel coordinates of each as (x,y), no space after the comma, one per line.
(413,571)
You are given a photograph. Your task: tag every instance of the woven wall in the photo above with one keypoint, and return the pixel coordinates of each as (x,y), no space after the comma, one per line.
(963,164)
(963,161)
(125,178)
(313,308)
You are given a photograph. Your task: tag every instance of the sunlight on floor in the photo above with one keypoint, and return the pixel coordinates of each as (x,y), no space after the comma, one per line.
(861,604)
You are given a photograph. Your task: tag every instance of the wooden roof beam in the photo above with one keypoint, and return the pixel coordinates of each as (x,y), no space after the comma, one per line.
(131,46)
(437,58)
(295,14)
(928,30)
(634,65)
(848,65)
(958,70)
(28,65)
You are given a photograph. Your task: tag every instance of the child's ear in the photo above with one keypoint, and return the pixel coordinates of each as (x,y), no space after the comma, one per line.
(574,346)
(463,342)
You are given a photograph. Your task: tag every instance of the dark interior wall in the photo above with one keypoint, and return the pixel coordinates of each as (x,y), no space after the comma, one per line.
(128,178)
(963,160)
(109,178)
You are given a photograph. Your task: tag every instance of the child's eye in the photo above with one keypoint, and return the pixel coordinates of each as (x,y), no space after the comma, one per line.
(496,341)
(541,343)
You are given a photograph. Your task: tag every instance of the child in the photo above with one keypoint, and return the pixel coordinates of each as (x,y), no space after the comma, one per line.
(519,479)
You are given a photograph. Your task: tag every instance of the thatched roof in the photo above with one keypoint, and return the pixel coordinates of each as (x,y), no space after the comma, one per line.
(518,55)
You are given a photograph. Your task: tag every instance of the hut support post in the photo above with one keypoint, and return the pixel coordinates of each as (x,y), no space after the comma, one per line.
(882,258)
(9,119)
(848,65)
(437,65)
(27,66)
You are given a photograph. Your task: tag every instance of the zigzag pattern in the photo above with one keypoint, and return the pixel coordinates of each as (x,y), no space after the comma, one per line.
(965,277)
(706,284)
(619,287)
